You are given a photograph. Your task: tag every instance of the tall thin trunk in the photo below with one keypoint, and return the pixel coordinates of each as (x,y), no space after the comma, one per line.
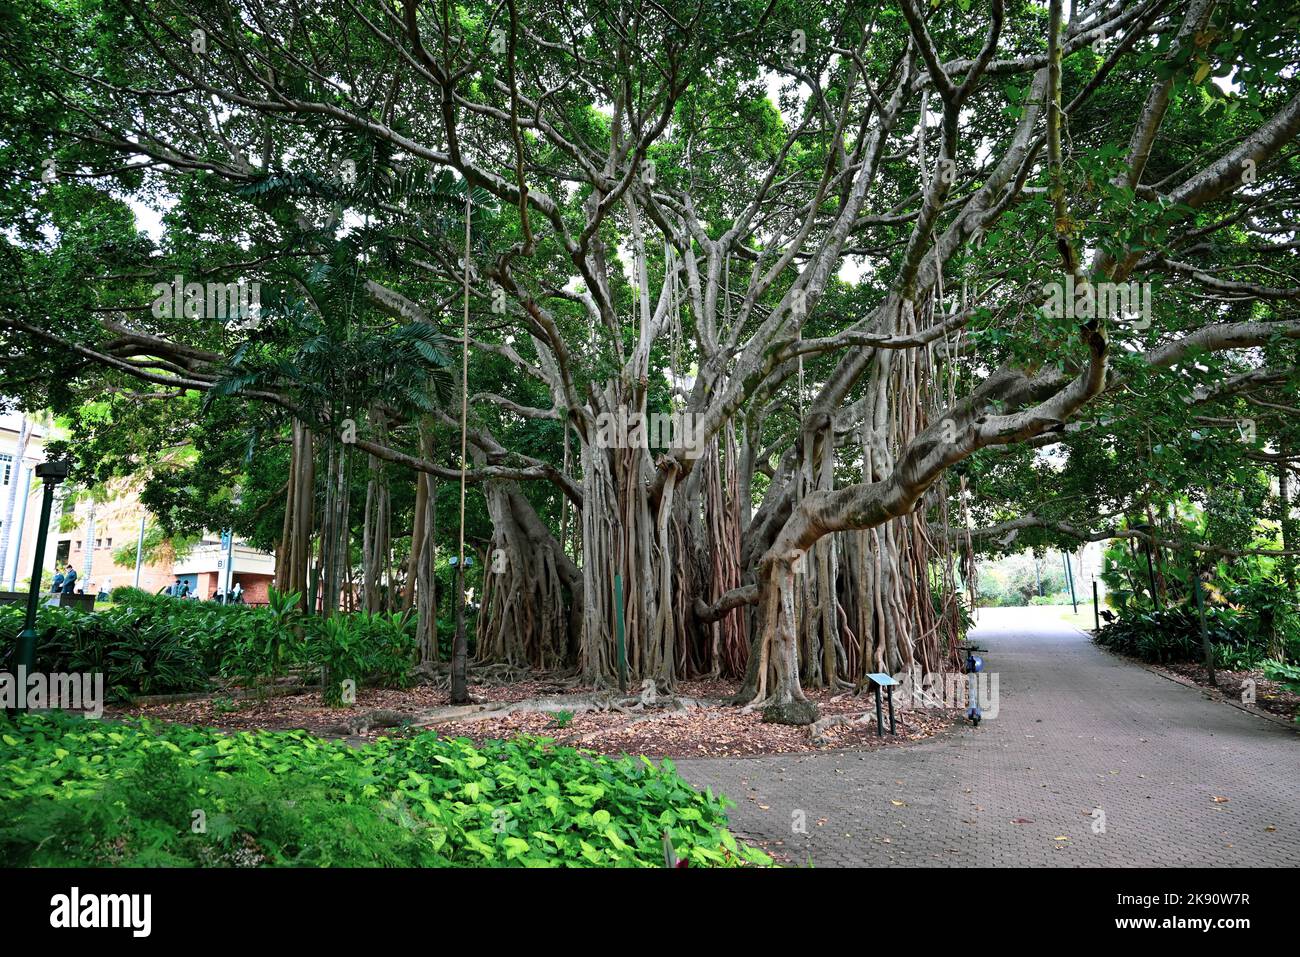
(1284,515)
(11,494)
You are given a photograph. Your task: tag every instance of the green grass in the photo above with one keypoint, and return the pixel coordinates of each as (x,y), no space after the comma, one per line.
(76,792)
(1082,619)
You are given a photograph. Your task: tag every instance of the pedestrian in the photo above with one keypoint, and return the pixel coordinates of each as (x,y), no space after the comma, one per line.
(69,580)
(58,581)
(238,593)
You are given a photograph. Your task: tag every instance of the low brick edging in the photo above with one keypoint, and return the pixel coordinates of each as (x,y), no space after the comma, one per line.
(1278,719)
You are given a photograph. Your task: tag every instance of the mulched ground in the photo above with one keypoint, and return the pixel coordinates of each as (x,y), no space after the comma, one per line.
(1270,696)
(712,731)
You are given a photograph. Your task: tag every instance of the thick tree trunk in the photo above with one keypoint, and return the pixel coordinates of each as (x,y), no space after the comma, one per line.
(294,554)
(532,591)
(376,545)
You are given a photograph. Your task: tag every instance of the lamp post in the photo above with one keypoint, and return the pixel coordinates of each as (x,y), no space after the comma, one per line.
(51,473)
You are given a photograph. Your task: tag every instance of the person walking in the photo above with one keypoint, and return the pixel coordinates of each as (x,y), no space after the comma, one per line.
(69,580)
(58,582)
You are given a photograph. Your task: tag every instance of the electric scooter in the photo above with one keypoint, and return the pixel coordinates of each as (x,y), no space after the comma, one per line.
(974,665)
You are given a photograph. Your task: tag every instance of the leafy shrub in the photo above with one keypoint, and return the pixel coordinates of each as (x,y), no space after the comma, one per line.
(1228,658)
(75,792)
(156,644)
(1288,675)
(137,653)
(1173,634)
(362,645)
(222,634)
(263,642)
(1274,618)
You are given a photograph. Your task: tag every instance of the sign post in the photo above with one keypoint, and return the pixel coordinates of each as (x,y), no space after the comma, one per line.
(226,563)
(620,648)
(51,473)
(883,681)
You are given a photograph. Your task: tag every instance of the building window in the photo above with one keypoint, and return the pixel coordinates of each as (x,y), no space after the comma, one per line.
(108,543)
(6,466)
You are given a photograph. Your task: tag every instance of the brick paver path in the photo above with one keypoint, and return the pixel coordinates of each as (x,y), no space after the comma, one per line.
(1077,729)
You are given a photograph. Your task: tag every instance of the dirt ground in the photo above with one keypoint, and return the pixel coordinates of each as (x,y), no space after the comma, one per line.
(711,729)
(1270,696)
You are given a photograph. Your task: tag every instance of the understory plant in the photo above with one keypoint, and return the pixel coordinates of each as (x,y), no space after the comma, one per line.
(154,644)
(1172,634)
(75,792)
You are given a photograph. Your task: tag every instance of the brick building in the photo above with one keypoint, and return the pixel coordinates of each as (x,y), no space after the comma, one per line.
(98,538)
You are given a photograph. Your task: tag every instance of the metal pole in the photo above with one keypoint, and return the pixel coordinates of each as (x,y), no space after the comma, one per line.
(22,524)
(228,546)
(27,639)
(1205,635)
(619,649)
(1151,573)
(1069,580)
(88,561)
(880,728)
(890,694)
(1096,608)
(139,552)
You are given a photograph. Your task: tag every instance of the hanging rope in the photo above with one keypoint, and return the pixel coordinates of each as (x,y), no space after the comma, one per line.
(459,687)
(464,382)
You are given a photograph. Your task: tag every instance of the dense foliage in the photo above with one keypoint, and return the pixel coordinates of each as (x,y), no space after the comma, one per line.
(152,644)
(1239,639)
(77,792)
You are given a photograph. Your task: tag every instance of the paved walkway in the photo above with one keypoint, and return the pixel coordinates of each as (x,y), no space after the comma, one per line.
(1077,729)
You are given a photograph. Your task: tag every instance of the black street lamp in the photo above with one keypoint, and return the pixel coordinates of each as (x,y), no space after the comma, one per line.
(51,473)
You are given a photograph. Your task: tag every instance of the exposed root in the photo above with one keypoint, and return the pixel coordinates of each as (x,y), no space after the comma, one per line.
(817,727)
(673,707)
(363,723)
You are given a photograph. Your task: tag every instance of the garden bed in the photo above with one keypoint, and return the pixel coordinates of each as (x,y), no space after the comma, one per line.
(696,723)
(1272,697)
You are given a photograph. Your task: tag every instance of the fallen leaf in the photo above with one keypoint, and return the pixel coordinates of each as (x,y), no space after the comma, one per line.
(898,804)
(1060,837)
(1022,820)
(1220,800)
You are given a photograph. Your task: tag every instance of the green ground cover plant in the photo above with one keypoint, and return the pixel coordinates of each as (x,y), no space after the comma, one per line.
(76,792)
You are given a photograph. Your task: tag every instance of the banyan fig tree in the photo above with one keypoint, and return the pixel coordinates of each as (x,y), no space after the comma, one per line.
(753,287)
